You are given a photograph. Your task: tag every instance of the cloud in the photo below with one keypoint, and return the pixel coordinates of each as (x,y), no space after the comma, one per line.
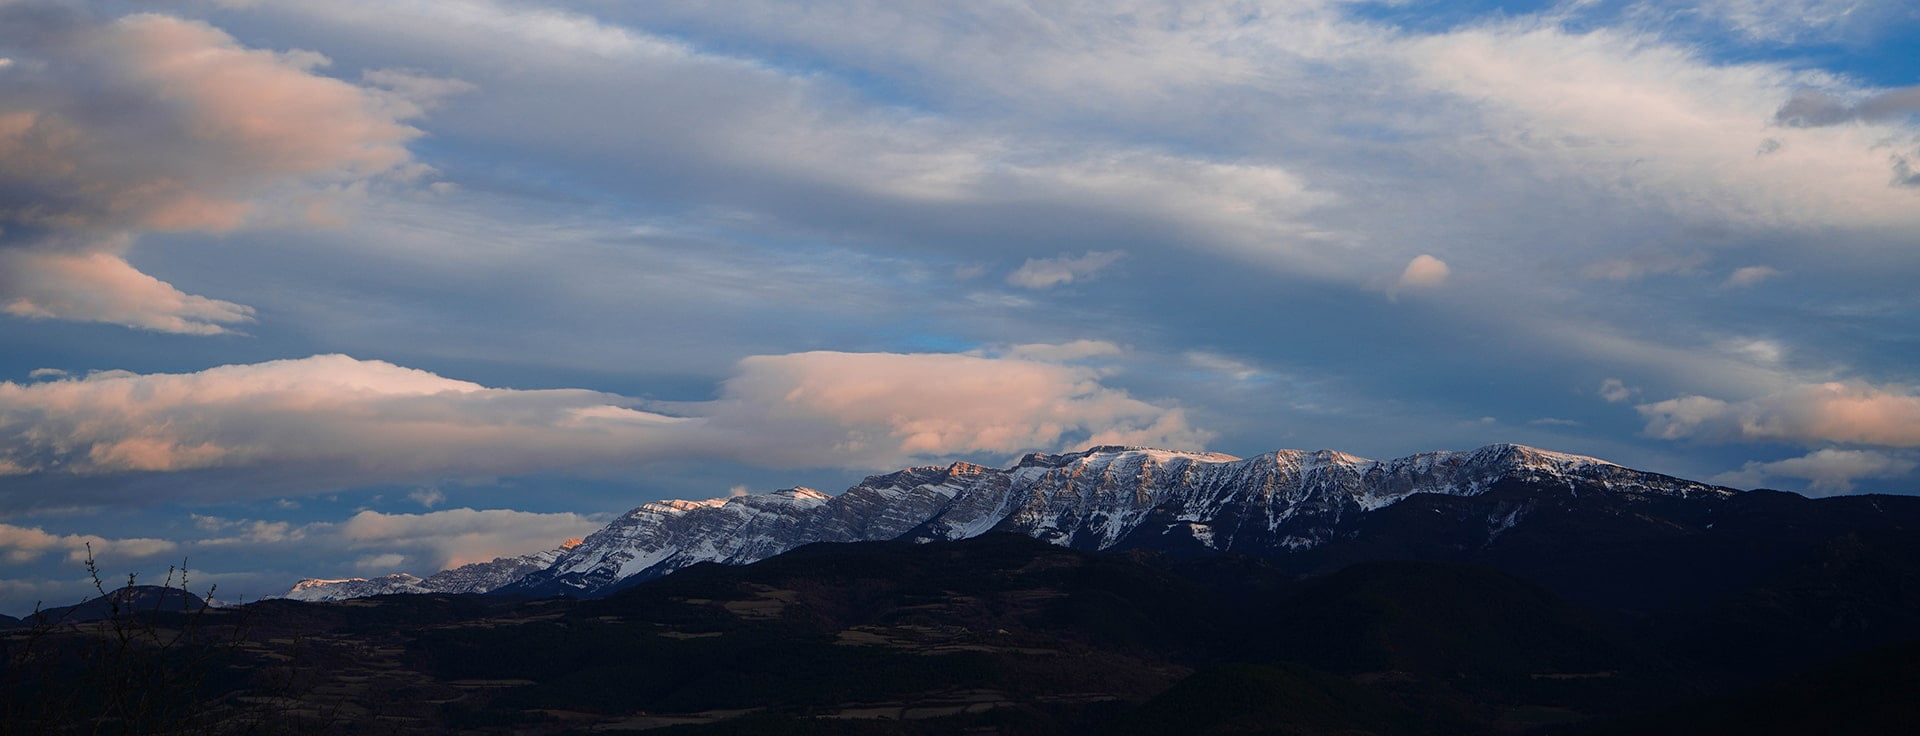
(113,127)
(1643,262)
(882,409)
(428,497)
(1553,422)
(331,421)
(1223,365)
(1043,273)
(1654,125)
(377,564)
(1759,351)
(1750,276)
(1615,391)
(1794,21)
(1062,352)
(1809,108)
(1858,413)
(423,543)
(251,532)
(442,539)
(24,544)
(103,287)
(1423,272)
(799,149)
(338,418)
(1828,470)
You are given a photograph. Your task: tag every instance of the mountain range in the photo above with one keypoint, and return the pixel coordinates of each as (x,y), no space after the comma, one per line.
(1104,498)
(1117,590)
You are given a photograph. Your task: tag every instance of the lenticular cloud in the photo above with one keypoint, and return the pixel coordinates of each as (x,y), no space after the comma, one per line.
(331,421)
(147,122)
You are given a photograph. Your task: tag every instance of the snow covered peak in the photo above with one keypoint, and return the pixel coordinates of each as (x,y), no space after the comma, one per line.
(1046,460)
(316,589)
(1304,460)
(1099,498)
(1522,456)
(796,494)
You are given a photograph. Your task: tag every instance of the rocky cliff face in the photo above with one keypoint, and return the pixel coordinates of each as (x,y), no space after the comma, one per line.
(1101,498)
(478,577)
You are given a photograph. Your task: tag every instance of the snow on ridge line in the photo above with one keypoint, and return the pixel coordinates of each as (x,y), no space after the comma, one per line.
(1320,458)
(1094,496)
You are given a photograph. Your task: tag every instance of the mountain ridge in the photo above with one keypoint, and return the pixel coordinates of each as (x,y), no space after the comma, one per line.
(1105,497)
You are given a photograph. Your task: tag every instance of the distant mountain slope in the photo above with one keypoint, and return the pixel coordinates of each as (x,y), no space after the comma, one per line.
(128,600)
(1103,498)
(478,577)
(1593,531)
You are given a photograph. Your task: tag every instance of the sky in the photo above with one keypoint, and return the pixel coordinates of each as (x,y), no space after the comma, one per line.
(325,288)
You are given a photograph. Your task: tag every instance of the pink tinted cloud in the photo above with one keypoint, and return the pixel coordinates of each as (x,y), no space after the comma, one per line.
(111,127)
(1828,471)
(106,288)
(883,409)
(331,421)
(442,539)
(1859,413)
(25,544)
(355,419)
(153,122)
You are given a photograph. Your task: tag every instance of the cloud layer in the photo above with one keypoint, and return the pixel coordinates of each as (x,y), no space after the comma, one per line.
(880,409)
(313,424)
(383,542)
(1856,413)
(1828,471)
(111,127)
(24,544)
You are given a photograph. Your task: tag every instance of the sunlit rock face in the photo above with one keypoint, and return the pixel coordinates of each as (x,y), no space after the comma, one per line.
(1102,498)
(479,577)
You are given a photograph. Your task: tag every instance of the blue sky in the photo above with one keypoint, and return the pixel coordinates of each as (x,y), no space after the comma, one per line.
(347,287)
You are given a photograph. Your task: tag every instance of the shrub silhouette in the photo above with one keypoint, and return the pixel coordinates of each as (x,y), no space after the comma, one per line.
(134,659)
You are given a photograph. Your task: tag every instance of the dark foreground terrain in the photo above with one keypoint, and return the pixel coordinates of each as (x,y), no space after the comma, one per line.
(1004,634)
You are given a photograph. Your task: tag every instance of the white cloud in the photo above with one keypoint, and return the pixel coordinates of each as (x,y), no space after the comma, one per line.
(330,421)
(442,539)
(1423,272)
(1858,413)
(1664,128)
(1043,273)
(1813,107)
(250,532)
(422,543)
(1642,262)
(1828,470)
(111,127)
(1791,21)
(1062,352)
(25,544)
(883,409)
(1754,349)
(1615,390)
(428,497)
(379,564)
(327,419)
(1750,276)
(797,136)
(102,287)
(1223,365)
